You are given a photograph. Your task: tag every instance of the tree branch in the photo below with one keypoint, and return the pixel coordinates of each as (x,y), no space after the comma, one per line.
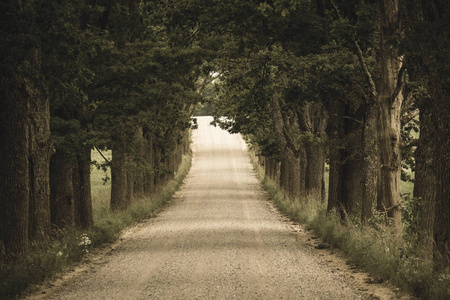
(107,161)
(399,85)
(206,81)
(336,9)
(359,53)
(412,143)
(406,118)
(280,125)
(367,74)
(353,119)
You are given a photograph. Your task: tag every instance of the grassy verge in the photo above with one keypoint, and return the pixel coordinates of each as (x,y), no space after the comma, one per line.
(55,255)
(376,251)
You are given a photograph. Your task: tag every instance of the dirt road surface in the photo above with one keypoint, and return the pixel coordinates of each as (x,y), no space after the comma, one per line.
(221,239)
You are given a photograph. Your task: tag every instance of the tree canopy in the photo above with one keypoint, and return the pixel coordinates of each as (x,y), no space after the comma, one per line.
(313,85)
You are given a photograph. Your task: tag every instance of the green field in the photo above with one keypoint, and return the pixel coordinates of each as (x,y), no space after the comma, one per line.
(100,189)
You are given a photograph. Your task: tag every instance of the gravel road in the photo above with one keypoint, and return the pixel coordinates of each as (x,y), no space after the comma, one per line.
(221,239)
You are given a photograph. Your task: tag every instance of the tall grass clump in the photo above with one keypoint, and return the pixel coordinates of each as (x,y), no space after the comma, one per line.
(66,247)
(372,248)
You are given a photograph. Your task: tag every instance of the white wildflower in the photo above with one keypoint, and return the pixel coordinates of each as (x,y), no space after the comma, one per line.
(84,240)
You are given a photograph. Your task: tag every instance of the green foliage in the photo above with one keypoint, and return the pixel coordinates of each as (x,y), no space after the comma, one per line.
(412,211)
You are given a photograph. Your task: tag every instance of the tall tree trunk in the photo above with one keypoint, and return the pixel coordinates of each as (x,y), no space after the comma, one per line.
(82,190)
(24,157)
(129,196)
(295,184)
(186,140)
(287,148)
(432,180)
(284,171)
(118,173)
(171,164)
(370,165)
(274,164)
(334,181)
(441,158)
(267,168)
(139,173)
(390,161)
(425,181)
(345,201)
(149,176)
(14,166)
(338,157)
(61,191)
(158,180)
(389,106)
(315,170)
(41,149)
(313,122)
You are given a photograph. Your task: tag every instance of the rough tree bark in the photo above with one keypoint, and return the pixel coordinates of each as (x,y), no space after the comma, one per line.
(441,157)
(370,165)
(157,163)
(314,121)
(296,183)
(284,170)
(82,190)
(433,154)
(315,171)
(149,178)
(388,103)
(389,107)
(41,149)
(118,173)
(24,136)
(271,165)
(341,153)
(139,173)
(425,180)
(61,188)
(129,195)
(293,164)
(14,166)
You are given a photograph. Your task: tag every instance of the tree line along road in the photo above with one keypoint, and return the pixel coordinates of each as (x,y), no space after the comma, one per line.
(222,239)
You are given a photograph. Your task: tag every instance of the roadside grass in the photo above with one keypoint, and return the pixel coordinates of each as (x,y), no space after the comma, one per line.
(66,248)
(374,249)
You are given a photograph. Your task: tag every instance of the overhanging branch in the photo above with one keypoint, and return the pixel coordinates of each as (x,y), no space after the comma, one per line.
(399,85)
(409,116)
(280,125)
(107,161)
(359,53)
(367,74)
(412,143)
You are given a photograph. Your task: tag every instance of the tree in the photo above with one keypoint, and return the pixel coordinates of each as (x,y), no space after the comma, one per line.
(389,107)
(25,145)
(387,99)
(426,46)
(67,70)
